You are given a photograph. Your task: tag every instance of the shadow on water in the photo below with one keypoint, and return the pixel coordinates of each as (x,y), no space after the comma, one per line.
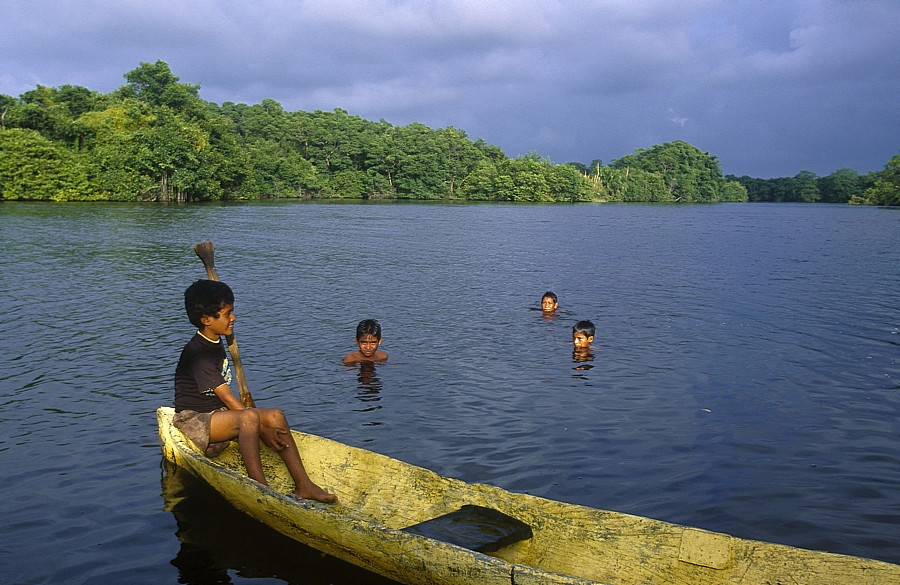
(220,544)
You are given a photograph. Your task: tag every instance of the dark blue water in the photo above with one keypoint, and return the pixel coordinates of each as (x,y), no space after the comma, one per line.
(745,373)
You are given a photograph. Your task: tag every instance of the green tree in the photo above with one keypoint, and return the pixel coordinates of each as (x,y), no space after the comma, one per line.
(335,140)
(159,141)
(780,189)
(479,184)
(526,178)
(805,187)
(155,84)
(115,166)
(840,186)
(347,184)
(643,186)
(421,169)
(382,161)
(886,190)
(732,191)
(630,185)
(607,183)
(152,153)
(459,156)
(154,139)
(568,183)
(279,172)
(52,112)
(690,174)
(34,168)
(579,166)
(489,151)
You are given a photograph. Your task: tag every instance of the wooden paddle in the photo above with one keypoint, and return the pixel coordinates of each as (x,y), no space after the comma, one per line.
(205,252)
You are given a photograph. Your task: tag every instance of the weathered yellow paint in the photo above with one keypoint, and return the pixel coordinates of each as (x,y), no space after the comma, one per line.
(572,545)
(707,549)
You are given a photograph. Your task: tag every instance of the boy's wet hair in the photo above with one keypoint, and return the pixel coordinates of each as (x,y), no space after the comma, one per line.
(368,327)
(550,294)
(205,298)
(585,326)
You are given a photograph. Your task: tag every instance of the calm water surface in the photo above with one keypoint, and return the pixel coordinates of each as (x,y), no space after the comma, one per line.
(745,374)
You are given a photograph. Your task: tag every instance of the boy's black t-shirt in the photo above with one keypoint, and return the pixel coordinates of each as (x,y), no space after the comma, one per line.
(202,367)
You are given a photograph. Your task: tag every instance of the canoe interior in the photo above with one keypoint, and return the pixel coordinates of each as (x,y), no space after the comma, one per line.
(380,496)
(474,527)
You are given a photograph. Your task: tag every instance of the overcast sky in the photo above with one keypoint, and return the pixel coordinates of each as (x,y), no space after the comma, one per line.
(771,87)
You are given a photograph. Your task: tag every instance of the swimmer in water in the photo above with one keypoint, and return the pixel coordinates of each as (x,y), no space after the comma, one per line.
(582,336)
(368,339)
(549,303)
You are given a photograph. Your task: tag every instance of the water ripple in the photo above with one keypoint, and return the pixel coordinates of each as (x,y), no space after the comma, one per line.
(744,378)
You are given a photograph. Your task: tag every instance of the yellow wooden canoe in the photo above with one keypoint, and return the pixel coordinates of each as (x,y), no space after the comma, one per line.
(380,497)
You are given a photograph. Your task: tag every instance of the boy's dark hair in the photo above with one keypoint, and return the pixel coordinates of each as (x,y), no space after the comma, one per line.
(585,326)
(550,294)
(205,298)
(368,327)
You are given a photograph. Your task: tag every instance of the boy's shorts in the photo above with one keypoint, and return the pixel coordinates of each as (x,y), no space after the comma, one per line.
(195,426)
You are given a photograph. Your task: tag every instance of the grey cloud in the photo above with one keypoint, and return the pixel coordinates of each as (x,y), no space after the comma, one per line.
(771,88)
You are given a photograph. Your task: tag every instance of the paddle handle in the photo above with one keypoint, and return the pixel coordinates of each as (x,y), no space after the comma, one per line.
(206,252)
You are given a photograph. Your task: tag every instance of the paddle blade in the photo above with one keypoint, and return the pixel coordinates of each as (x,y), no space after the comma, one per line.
(206,253)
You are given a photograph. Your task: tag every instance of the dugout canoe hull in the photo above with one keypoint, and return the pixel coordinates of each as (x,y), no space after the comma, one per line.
(570,544)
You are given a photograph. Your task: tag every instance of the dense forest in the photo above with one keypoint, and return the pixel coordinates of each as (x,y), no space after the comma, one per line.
(841,186)
(155,139)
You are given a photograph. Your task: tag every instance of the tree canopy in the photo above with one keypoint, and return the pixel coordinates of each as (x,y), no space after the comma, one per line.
(841,186)
(885,189)
(688,174)
(155,139)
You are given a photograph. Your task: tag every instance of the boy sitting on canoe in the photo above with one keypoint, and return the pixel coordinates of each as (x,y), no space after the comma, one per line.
(208,412)
(368,338)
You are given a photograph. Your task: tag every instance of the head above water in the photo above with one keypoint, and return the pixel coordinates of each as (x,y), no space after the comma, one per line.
(206,298)
(584,326)
(582,335)
(368,327)
(549,302)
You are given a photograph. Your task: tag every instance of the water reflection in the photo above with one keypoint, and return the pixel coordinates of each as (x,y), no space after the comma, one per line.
(368,389)
(581,355)
(217,541)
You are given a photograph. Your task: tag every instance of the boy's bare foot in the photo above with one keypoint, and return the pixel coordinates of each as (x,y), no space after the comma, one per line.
(314,492)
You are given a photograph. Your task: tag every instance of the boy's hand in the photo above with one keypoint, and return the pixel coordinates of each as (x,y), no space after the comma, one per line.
(274,438)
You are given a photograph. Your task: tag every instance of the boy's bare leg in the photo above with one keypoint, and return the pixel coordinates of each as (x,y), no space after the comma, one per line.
(277,435)
(243,424)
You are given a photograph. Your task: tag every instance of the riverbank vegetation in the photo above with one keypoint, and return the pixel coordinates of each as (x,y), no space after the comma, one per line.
(155,139)
(841,186)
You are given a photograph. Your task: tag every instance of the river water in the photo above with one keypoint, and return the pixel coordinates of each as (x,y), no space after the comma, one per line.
(745,374)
